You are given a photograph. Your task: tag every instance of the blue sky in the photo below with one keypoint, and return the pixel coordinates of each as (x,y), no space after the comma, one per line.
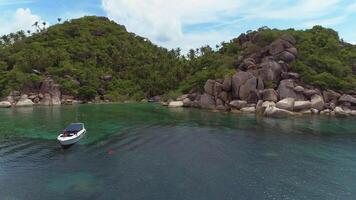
(188,23)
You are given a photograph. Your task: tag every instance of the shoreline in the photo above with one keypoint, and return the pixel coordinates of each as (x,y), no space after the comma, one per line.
(268,110)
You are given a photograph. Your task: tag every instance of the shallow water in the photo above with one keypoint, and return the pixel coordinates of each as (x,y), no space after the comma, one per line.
(145,151)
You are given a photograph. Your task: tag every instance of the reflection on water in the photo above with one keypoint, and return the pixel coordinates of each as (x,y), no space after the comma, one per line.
(145,151)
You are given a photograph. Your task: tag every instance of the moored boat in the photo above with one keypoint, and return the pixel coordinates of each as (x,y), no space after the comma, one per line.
(72,134)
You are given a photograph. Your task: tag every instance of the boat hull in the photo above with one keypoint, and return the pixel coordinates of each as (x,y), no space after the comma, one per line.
(69,141)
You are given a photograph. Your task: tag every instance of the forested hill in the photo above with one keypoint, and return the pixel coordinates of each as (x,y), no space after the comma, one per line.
(80,53)
(93,56)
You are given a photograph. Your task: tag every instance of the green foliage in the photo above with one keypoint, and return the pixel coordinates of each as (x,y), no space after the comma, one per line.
(87,93)
(78,53)
(88,48)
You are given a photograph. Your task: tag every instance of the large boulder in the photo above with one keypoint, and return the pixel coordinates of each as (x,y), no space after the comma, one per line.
(51,91)
(331,96)
(238,80)
(302,105)
(253,97)
(286,90)
(286,56)
(299,89)
(46,100)
(175,104)
(218,88)
(227,84)
(289,38)
(286,104)
(209,87)
(248,64)
(238,104)
(293,51)
(270,70)
(249,109)
(272,111)
(207,101)
(24,101)
(347,99)
(220,105)
(317,102)
(5,104)
(249,86)
(340,112)
(310,92)
(278,46)
(270,95)
(154,99)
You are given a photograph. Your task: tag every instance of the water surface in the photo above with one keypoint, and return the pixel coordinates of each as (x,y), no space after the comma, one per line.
(145,151)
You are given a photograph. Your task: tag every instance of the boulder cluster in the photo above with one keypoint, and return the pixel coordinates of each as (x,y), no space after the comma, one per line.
(47,94)
(264,83)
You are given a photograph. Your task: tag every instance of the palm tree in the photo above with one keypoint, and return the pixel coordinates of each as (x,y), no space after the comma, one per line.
(35,24)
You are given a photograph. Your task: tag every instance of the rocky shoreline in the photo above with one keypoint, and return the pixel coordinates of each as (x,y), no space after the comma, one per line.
(265,84)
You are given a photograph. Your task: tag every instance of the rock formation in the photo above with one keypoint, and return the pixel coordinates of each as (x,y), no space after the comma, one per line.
(265,83)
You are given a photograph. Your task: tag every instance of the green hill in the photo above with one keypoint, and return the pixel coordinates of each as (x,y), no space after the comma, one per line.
(82,53)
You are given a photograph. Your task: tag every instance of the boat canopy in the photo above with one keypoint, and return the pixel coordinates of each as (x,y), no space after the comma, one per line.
(74,127)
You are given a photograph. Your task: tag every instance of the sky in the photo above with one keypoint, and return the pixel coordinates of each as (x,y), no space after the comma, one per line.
(188,23)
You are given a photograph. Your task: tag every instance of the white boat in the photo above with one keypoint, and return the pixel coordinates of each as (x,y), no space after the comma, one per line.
(72,134)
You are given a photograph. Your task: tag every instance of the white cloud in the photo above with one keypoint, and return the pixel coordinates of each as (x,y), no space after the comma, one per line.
(22,19)
(165,21)
(326,22)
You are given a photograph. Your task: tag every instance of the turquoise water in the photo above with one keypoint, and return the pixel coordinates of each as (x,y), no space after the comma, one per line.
(145,151)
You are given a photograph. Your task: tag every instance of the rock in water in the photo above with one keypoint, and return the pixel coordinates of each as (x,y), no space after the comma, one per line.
(249,109)
(302,105)
(207,101)
(272,111)
(176,104)
(24,101)
(238,104)
(340,112)
(286,104)
(317,102)
(51,92)
(5,104)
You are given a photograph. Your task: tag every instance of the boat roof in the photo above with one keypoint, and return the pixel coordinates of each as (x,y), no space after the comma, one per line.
(75,127)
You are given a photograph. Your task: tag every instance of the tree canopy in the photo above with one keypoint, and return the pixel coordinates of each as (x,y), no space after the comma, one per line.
(80,52)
